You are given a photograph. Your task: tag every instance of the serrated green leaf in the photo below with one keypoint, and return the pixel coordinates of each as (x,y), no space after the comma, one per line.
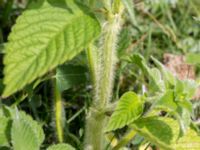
(186,104)
(190,141)
(8,112)
(167,101)
(68,76)
(167,75)
(156,80)
(5,126)
(35,125)
(61,147)
(157,130)
(23,136)
(140,62)
(164,132)
(44,38)
(190,87)
(181,109)
(26,133)
(129,108)
(184,118)
(154,75)
(183,92)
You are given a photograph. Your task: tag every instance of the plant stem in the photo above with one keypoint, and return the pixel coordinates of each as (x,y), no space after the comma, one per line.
(94,138)
(95,119)
(94,62)
(58,109)
(75,115)
(125,140)
(109,61)
(103,77)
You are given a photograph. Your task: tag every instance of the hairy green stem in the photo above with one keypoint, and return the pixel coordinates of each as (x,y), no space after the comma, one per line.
(95,119)
(103,77)
(94,62)
(94,138)
(109,61)
(58,110)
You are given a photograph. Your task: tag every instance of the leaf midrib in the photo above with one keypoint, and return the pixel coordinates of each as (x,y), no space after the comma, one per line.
(78,15)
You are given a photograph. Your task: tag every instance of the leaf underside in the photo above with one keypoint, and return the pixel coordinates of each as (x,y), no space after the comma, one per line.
(43,38)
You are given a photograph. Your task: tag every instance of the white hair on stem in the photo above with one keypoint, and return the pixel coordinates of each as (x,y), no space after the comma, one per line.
(103,70)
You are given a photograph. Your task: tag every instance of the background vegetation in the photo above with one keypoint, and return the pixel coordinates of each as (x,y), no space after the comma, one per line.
(153,28)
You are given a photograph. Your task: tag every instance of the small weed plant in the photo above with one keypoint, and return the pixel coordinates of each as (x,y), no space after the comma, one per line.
(50,33)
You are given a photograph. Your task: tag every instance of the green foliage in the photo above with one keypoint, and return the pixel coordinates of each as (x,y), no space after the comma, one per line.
(26,133)
(129,108)
(61,147)
(124,42)
(179,90)
(168,77)
(167,101)
(157,130)
(44,38)
(68,76)
(174,96)
(164,132)
(4,131)
(51,32)
(19,129)
(189,141)
(130,8)
(177,101)
(1,86)
(181,108)
(154,75)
